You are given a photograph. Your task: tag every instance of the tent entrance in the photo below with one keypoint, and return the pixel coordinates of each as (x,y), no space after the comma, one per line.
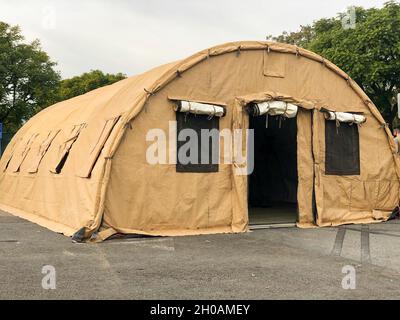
(273,184)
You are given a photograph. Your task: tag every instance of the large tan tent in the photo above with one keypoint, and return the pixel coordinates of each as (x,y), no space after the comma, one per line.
(320,149)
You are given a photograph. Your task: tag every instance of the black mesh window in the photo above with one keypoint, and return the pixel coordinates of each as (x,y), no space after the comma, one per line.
(342,145)
(207,146)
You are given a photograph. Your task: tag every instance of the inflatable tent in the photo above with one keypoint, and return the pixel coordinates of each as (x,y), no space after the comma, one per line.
(319,146)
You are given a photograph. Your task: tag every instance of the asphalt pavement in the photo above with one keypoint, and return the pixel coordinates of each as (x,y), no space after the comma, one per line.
(286,263)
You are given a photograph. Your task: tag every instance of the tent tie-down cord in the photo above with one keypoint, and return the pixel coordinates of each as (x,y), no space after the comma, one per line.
(187,112)
(212,114)
(266,120)
(283,117)
(337,123)
(279,118)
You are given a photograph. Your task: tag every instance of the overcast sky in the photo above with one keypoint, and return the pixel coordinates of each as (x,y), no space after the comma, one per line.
(134,36)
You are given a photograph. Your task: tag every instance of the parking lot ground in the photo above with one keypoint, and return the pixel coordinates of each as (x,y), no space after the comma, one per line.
(286,263)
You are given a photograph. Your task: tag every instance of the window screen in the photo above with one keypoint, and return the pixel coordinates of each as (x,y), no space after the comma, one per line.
(197,143)
(342,149)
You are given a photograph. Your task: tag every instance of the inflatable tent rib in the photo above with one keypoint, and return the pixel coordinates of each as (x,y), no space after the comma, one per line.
(80,167)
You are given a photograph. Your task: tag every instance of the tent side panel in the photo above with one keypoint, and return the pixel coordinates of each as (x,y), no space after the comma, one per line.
(156,199)
(305,166)
(368,197)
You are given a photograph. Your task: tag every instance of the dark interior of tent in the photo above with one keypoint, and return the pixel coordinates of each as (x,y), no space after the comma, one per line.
(273,183)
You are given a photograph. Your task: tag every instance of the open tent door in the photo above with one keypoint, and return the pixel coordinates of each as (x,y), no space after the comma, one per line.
(273,185)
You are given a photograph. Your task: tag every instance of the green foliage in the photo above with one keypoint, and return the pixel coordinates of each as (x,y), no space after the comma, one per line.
(86,82)
(28,81)
(369,53)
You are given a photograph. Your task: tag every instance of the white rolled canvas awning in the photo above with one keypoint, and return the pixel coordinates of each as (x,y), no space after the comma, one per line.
(200,108)
(345,117)
(274,108)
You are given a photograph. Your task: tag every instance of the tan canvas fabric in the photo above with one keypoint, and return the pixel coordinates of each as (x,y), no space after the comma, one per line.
(21,153)
(107,185)
(41,150)
(274,64)
(65,147)
(97,146)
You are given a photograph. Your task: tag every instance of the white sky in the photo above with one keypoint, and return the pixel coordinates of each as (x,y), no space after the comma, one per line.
(134,36)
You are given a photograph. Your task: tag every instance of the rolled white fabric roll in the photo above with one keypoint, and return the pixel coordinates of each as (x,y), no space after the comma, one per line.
(346,117)
(277,108)
(200,108)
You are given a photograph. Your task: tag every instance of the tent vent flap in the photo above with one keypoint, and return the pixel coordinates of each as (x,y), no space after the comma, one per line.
(95,150)
(65,148)
(20,154)
(42,149)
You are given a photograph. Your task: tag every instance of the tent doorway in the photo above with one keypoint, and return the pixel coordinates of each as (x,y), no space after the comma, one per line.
(273,184)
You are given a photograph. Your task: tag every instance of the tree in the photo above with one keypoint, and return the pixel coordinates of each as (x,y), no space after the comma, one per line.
(86,82)
(369,52)
(28,81)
